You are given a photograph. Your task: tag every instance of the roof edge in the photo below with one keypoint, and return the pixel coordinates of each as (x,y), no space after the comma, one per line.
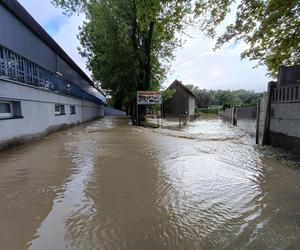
(24,16)
(183,86)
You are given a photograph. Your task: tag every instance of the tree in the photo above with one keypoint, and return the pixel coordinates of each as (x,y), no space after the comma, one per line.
(225,98)
(128,43)
(270,28)
(108,47)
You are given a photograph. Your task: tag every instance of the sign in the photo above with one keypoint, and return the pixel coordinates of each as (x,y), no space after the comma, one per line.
(149,97)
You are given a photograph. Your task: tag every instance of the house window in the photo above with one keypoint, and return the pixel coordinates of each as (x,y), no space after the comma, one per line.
(6,110)
(59,109)
(72,110)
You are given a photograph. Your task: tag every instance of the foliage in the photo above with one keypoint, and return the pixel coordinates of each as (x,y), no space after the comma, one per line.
(208,110)
(166,94)
(128,43)
(71,6)
(270,28)
(226,98)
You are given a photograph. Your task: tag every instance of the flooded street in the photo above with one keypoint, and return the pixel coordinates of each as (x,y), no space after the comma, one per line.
(109,185)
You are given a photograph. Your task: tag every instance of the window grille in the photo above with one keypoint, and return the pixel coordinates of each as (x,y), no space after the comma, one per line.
(18,68)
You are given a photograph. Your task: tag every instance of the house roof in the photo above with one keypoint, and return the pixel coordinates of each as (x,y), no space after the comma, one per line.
(179,83)
(22,14)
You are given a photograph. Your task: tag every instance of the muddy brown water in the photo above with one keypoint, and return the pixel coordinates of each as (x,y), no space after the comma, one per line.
(108,185)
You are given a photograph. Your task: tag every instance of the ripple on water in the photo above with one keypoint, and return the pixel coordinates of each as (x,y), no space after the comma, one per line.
(130,188)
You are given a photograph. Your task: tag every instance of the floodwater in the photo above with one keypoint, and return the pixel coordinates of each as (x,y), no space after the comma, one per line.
(109,185)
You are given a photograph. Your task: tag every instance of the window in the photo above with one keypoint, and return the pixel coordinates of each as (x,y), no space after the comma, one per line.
(72,110)
(6,110)
(20,69)
(59,109)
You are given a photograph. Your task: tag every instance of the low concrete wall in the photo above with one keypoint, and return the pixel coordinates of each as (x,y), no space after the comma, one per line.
(227,115)
(108,111)
(285,125)
(279,116)
(243,117)
(38,112)
(246,119)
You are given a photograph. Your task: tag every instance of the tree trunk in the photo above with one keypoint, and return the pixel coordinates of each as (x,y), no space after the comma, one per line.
(148,43)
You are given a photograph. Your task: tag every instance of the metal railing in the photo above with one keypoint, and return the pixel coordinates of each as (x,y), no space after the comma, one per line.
(286,94)
(18,68)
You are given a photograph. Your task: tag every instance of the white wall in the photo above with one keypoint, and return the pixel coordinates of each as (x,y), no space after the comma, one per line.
(38,111)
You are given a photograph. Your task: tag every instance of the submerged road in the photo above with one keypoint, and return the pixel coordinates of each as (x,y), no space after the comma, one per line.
(108,185)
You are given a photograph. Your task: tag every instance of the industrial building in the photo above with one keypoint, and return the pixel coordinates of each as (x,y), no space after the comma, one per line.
(41,87)
(181,103)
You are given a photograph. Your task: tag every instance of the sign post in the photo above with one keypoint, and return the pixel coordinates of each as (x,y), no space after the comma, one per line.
(148,98)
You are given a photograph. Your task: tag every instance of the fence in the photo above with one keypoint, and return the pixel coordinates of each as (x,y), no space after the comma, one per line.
(283,121)
(286,94)
(243,117)
(17,68)
(227,115)
(276,119)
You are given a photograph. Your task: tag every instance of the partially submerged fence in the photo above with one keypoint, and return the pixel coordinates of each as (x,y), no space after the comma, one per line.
(275,120)
(243,117)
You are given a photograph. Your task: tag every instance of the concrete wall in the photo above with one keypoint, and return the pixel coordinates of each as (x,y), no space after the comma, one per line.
(226,115)
(38,111)
(279,116)
(246,119)
(285,125)
(243,117)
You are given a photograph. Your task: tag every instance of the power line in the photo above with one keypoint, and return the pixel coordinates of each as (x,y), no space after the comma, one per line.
(188,59)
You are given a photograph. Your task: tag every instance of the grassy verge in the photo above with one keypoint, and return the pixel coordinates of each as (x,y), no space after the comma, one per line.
(208,110)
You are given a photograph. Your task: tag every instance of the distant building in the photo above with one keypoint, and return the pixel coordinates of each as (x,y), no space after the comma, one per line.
(41,87)
(181,103)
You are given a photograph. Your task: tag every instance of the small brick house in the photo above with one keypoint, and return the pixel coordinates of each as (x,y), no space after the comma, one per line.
(181,103)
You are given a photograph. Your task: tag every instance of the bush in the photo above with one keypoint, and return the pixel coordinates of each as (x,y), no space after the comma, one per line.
(208,110)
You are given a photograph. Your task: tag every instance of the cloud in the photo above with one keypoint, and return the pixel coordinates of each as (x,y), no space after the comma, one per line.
(197,63)
(221,69)
(63,29)
(66,38)
(55,24)
(43,11)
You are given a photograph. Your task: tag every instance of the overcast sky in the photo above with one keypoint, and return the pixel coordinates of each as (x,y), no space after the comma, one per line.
(195,63)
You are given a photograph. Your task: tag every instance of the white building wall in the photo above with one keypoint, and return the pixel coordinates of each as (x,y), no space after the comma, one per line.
(38,111)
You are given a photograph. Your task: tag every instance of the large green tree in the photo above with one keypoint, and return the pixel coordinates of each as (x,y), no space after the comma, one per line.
(129,43)
(270,28)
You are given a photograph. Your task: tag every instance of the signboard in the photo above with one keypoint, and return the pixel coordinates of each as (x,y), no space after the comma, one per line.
(149,97)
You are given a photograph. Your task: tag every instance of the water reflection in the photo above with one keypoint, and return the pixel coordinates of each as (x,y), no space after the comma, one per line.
(114,186)
(72,202)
